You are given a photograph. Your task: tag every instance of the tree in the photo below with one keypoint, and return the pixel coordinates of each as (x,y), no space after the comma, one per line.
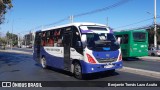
(12,37)
(151,35)
(3,41)
(4,6)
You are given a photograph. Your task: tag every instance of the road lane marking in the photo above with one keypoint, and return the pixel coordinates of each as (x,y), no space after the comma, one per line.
(16,51)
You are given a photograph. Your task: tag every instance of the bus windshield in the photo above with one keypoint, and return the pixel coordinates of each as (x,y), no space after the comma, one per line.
(139,36)
(101,40)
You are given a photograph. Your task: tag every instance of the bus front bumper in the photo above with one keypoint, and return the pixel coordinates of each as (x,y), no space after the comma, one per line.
(93,68)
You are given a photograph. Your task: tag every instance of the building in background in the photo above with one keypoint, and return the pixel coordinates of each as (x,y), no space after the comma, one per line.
(28,40)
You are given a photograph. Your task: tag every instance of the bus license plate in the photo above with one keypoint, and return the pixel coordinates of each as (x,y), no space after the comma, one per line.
(108,66)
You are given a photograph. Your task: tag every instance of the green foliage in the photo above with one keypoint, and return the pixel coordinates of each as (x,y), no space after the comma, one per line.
(3,41)
(4,6)
(12,37)
(151,35)
(8,35)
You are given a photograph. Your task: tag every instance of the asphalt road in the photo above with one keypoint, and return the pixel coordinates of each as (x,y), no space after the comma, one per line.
(23,49)
(21,67)
(142,64)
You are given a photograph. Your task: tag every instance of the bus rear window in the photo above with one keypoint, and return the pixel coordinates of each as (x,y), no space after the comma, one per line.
(139,36)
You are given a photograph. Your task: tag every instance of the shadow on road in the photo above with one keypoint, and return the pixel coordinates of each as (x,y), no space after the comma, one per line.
(92,76)
(10,59)
(100,75)
(55,70)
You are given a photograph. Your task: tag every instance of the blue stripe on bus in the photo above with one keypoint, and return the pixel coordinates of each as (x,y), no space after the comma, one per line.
(93,68)
(53,61)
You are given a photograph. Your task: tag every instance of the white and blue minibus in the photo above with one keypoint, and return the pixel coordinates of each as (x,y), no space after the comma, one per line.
(80,48)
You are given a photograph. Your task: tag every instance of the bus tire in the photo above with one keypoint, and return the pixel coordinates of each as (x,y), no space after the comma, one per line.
(77,71)
(111,71)
(43,63)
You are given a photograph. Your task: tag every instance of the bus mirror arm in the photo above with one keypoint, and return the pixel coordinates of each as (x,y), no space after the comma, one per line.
(119,40)
(84,44)
(84,40)
(78,44)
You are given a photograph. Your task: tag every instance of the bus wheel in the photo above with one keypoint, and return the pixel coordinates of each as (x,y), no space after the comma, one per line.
(77,71)
(111,71)
(43,63)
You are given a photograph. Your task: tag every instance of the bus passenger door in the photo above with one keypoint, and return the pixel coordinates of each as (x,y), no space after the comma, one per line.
(37,46)
(67,44)
(38,49)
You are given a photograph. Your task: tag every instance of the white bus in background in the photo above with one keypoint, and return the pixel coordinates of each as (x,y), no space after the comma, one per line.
(80,48)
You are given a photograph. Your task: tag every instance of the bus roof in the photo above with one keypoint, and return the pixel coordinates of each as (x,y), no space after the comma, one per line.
(74,24)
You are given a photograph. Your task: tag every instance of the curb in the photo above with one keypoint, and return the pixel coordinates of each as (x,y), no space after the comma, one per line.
(143,72)
(15,51)
(148,59)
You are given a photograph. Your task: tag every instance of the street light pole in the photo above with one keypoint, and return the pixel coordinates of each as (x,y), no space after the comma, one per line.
(25,41)
(155,26)
(71,18)
(19,42)
(107,22)
(12,36)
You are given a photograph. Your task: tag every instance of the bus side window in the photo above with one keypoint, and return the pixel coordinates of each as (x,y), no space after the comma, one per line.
(58,37)
(44,39)
(75,37)
(51,40)
(55,38)
(125,39)
(47,38)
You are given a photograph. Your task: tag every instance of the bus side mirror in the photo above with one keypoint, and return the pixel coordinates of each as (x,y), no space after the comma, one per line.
(119,40)
(84,40)
(78,44)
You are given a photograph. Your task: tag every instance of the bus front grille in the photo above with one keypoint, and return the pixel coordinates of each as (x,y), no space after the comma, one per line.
(100,60)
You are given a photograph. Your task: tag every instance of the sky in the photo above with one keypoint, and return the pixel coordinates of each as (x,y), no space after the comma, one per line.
(32,15)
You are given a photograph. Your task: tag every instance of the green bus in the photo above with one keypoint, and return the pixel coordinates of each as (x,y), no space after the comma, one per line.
(134,43)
